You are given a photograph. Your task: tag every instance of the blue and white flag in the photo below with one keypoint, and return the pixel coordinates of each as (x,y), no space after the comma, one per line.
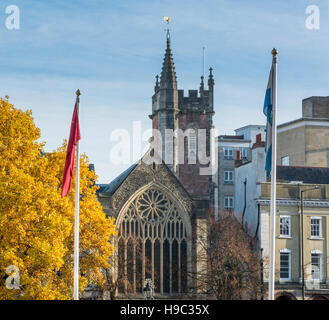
(268,107)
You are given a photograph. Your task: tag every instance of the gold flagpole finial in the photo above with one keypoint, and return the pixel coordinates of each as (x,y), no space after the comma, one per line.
(274,52)
(167,19)
(78,93)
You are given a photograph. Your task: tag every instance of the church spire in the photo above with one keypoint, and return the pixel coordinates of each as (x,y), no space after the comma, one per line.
(168,78)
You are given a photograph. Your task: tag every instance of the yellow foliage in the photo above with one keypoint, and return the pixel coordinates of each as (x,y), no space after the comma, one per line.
(36,224)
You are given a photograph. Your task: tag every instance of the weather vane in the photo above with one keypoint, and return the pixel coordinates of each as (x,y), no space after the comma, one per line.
(167,19)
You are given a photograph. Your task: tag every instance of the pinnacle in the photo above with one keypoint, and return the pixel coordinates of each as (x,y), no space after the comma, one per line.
(168,78)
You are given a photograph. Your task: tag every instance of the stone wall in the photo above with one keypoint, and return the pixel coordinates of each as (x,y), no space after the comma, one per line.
(316,107)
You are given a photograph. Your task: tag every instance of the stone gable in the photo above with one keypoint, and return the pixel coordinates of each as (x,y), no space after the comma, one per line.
(142,175)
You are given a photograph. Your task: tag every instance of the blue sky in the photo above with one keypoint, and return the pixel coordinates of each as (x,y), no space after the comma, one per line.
(112,51)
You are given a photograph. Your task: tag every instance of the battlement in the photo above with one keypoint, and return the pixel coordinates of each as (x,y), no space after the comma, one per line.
(194,102)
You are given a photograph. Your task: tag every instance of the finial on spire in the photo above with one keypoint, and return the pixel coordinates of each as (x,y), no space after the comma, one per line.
(167,19)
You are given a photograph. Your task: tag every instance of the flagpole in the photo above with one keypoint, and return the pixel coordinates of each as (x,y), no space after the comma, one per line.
(273,178)
(76,220)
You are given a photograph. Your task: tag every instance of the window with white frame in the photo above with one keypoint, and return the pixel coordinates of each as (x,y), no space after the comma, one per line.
(285,226)
(228,153)
(228,202)
(316,265)
(228,176)
(285,161)
(285,264)
(316,227)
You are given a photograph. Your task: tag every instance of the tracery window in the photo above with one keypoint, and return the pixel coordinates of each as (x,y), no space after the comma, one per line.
(153,242)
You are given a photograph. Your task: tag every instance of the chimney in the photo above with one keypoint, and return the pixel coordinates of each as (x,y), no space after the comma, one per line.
(259,143)
(238,161)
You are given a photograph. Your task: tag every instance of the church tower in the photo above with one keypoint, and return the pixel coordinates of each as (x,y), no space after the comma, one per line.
(165,111)
(161,207)
(196,121)
(184,124)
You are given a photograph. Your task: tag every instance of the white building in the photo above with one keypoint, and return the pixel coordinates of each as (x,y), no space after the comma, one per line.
(250,132)
(248,177)
(230,148)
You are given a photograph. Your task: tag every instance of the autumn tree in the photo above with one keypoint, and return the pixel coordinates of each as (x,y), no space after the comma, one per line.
(36,224)
(229,266)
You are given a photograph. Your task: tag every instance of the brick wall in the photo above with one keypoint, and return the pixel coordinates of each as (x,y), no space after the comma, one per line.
(189,174)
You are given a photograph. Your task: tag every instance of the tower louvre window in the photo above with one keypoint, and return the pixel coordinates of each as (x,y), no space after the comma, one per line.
(192,145)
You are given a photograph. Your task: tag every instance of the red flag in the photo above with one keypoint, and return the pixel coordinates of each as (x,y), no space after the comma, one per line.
(70,154)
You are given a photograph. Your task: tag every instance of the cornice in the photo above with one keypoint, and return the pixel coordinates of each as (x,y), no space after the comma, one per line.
(287,202)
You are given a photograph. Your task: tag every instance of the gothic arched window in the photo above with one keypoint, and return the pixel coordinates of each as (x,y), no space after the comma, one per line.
(153,242)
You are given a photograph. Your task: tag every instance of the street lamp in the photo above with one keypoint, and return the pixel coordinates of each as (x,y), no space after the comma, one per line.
(148,292)
(302,225)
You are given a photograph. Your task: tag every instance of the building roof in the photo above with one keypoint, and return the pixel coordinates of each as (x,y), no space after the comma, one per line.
(282,125)
(241,137)
(116,183)
(251,126)
(313,175)
(234,139)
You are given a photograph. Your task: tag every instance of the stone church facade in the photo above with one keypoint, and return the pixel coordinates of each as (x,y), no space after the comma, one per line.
(161,203)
